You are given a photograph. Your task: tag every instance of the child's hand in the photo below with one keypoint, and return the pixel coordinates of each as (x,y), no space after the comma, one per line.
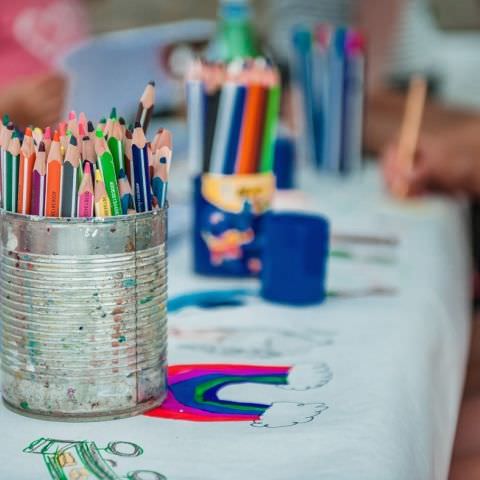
(448,162)
(36,101)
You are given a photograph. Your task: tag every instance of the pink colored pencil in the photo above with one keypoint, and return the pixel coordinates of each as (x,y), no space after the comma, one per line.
(85,194)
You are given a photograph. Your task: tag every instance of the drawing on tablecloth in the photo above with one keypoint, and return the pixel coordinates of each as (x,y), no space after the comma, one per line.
(249,342)
(84,460)
(193,393)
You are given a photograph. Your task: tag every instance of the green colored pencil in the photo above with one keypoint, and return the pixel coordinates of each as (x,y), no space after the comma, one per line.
(12,163)
(107,168)
(115,144)
(271,117)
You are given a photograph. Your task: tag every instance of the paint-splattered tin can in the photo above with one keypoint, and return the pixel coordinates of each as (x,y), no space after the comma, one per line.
(83,312)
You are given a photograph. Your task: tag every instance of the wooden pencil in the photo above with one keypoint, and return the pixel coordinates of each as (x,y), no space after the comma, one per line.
(70,179)
(85,201)
(38,182)
(142,192)
(126,195)
(27,160)
(252,129)
(145,107)
(53,195)
(102,202)
(410,128)
(107,167)
(11,172)
(47,139)
(6,135)
(115,144)
(72,124)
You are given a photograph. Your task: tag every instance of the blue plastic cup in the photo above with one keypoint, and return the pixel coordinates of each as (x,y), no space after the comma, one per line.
(294,261)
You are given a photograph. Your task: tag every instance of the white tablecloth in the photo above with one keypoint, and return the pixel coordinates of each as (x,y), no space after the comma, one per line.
(366,386)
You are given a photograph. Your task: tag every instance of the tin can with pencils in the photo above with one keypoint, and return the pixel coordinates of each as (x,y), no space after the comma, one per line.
(83,310)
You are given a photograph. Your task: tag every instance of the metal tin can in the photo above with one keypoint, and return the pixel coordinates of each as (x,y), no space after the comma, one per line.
(83,310)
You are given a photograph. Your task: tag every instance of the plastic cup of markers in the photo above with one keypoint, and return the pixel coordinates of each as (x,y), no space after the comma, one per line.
(83,308)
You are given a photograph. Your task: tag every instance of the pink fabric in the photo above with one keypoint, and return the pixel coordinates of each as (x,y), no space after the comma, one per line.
(35,33)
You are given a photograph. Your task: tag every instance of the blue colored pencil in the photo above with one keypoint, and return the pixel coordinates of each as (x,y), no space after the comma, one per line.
(234,133)
(142,191)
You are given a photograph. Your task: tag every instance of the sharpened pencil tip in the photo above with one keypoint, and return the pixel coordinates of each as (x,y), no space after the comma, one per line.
(73,141)
(113,113)
(152,83)
(99,133)
(138,125)
(90,126)
(121,121)
(41,147)
(5,119)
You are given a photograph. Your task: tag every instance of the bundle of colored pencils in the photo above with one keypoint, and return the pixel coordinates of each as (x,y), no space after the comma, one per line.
(232,116)
(80,171)
(329,76)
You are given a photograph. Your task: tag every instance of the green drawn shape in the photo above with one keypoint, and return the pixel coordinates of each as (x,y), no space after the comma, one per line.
(62,457)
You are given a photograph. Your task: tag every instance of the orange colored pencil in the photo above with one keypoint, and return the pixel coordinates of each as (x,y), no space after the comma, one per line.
(251,131)
(27,160)
(54,179)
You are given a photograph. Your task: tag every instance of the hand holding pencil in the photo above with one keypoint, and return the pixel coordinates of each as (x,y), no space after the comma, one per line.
(422,161)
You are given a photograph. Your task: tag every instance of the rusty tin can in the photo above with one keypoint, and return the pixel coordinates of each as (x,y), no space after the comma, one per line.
(83,313)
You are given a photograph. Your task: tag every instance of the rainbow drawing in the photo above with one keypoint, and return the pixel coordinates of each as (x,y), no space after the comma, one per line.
(193,392)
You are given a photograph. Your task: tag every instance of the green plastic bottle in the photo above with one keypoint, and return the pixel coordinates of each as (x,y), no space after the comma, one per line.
(235,35)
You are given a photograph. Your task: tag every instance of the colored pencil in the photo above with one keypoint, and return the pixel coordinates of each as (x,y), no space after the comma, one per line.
(252,128)
(160,182)
(121,121)
(126,195)
(47,139)
(195,117)
(72,125)
(88,155)
(212,100)
(91,131)
(270,129)
(38,182)
(127,145)
(82,120)
(234,133)
(53,196)
(27,160)
(12,159)
(145,107)
(37,137)
(412,120)
(62,130)
(107,167)
(115,144)
(85,201)
(6,135)
(70,179)
(143,196)
(102,202)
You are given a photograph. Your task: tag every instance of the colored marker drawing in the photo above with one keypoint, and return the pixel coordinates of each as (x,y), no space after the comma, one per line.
(193,393)
(249,342)
(84,460)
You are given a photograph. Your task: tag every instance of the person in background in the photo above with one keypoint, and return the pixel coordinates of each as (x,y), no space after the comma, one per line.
(34,35)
